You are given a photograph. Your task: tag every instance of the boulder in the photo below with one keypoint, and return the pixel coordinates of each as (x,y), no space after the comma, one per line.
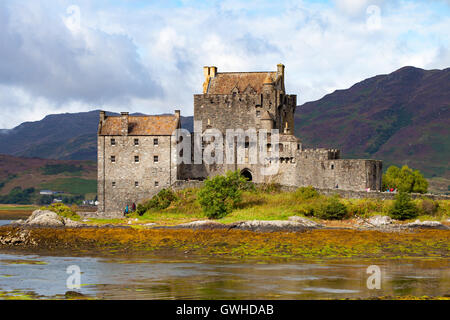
(269,226)
(305,222)
(45,218)
(202,224)
(72,224)
(426,224)
(380,221)
(17,238)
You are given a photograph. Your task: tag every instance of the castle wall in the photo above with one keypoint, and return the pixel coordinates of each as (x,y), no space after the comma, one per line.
(345,174)
(117,180)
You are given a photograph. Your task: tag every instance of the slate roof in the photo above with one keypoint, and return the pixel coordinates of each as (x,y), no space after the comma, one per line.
(141,125)
(225,82)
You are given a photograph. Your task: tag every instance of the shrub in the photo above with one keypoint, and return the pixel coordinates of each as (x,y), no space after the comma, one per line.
(331,209)
(162,200)
(306,209)
(428,207)
(403,207)
(305,193)
(63,211)
(221,194)
(141,209)
(404,179)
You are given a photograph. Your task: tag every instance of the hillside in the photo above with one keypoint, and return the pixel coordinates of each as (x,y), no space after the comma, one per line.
(72,177)
(68,136)
(400,118)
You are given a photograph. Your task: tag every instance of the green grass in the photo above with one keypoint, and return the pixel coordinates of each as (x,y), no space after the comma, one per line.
(71,185)
(261,205)
(17,208)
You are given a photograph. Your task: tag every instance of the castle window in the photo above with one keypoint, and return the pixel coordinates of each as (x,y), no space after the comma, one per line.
(136,184)
(113,142)
(269,147)
(155,159)
(298,146)
(136,158)
(136,142)
(258,113)
(113,184)
(280,147)
(156,184)
(155,142)
(332,167)
(113,158)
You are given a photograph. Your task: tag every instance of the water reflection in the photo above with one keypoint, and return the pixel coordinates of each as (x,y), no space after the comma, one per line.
(162,278)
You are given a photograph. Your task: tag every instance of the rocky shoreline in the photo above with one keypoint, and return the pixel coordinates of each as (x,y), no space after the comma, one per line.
(49,219)
(46,231)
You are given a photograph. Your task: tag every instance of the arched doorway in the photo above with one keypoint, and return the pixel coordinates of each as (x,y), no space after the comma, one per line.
(247,174)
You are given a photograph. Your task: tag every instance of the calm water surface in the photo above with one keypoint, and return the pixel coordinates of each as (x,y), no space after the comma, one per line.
(124,277)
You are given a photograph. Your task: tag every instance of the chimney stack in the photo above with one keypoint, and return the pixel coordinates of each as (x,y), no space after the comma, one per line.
(280,70)
(124,123)
(212,72)
(102,116)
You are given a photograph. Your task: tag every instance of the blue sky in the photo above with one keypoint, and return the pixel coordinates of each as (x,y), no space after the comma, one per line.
(147,56)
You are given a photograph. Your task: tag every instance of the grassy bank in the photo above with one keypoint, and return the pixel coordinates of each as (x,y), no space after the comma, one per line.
(11,212)
(273,205)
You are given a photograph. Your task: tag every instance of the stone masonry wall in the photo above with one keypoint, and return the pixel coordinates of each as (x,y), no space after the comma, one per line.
(345,174)
(117,180)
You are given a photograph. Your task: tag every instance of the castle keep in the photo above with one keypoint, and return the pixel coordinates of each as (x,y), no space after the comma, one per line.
(137,155)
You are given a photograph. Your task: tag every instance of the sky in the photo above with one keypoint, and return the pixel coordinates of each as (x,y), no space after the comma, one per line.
(148,56)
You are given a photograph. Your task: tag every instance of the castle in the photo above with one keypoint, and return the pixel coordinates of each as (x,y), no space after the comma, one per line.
(138,155)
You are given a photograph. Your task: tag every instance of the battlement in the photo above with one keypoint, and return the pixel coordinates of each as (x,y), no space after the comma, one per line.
(320,154)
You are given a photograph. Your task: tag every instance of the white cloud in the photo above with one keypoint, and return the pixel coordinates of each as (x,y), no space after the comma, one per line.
(150,59)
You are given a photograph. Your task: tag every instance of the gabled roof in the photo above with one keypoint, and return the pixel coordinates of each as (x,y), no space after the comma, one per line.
(141,125)
(225,82)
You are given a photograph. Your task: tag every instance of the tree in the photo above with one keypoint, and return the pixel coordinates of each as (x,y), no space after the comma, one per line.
(221,194)
(403,207)
(405,180)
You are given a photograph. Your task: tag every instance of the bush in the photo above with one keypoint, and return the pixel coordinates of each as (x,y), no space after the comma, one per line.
(306,209)
(62,210)
(141,209)
(221,194)
(428,207)
(403,207)
(162,200)
(306,193)
(405,180)
(331,209)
